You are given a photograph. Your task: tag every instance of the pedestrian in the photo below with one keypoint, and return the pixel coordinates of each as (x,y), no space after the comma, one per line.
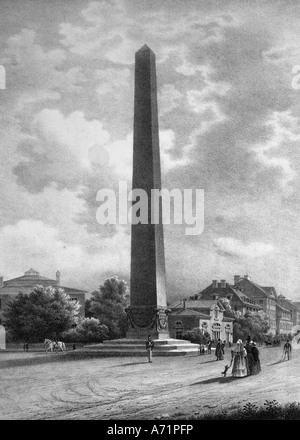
(149,347)
(256,368)
(74,346)
(249,358)
(26,346)
(287,350)
(219,352)
(238,355)
(223,345)
(209,347)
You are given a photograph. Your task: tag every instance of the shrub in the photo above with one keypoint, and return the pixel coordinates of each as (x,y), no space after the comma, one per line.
(88,330)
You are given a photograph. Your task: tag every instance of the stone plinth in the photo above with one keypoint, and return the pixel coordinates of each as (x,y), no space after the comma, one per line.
(136,347)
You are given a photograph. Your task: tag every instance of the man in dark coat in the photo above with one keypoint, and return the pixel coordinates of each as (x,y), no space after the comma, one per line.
(287,349)
(219,351)
(249,357)
(256,368)
(149,348)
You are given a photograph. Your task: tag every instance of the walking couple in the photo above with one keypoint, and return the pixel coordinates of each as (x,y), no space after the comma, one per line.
(245,359)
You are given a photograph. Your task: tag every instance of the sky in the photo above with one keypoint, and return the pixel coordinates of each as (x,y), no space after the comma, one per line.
(228,120)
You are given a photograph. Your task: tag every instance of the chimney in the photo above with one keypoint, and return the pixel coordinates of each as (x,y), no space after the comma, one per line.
(246,277)
(183,303)
(58,277)
(214,284)
(223,284)
(1,282)
(236,279)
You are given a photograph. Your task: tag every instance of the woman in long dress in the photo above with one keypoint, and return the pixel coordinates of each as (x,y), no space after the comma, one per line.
(239,353)
(256,362)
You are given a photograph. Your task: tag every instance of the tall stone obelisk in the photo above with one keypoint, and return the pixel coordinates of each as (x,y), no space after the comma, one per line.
(147,313)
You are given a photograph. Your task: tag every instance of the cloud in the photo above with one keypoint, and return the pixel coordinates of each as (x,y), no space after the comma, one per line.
(73,131)
(44,250)
(236,248)
(169,98)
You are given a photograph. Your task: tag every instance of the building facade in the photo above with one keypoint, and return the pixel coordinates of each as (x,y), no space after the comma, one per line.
(238,300)
(266,297)
(207,315)
(27,282)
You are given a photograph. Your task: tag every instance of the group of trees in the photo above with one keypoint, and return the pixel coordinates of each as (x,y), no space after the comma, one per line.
(47,310)
(253,324)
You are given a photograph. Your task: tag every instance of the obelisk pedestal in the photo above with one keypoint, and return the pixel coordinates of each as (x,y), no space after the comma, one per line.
(147,313)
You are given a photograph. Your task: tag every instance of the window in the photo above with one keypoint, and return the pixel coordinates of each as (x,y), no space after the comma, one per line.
(74,299)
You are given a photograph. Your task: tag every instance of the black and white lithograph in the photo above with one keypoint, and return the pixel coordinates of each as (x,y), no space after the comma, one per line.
(149,228)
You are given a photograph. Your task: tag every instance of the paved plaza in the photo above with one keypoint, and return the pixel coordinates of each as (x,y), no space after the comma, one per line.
(64,386)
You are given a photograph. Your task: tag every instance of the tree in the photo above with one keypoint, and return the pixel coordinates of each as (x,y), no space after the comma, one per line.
(108,306)
(88,330)
(36,316)
(255,325)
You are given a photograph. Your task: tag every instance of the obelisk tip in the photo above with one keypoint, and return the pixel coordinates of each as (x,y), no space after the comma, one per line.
(144,49)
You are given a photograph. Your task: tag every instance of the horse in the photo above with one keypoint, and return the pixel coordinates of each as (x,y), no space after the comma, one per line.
(51,344)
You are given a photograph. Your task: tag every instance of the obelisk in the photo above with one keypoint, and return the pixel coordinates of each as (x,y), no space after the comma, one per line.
(147,313)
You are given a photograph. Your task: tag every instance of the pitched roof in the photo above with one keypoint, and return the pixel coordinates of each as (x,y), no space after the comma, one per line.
(199,304)
(266,292)
(223,292)
(190,312)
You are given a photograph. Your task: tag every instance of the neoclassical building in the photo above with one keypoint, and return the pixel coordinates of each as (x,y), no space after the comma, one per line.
(26,283)
(207,315)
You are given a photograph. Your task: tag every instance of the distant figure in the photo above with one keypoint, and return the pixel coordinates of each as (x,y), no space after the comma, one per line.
(209,347)
(149,347)
(287,350)
(256,368)
(74,346)
(249,358)
(223,345)
(238,355)
(55,340)
(219,351)
(26,346)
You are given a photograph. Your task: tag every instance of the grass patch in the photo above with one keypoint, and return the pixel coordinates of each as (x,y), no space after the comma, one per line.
(270,410)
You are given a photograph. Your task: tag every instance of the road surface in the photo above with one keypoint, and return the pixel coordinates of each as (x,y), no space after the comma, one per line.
(57,386)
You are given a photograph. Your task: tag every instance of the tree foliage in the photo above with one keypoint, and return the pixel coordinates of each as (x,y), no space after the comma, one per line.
(36,316)
(88,330)
(108,306)
(254,325)
(196,336)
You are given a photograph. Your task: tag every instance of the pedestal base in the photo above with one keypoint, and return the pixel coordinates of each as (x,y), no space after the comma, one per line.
(147,320)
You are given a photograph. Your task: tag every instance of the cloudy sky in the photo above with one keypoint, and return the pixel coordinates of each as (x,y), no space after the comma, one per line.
(229,124)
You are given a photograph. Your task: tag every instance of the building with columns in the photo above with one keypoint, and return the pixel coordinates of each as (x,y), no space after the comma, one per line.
(26,283)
